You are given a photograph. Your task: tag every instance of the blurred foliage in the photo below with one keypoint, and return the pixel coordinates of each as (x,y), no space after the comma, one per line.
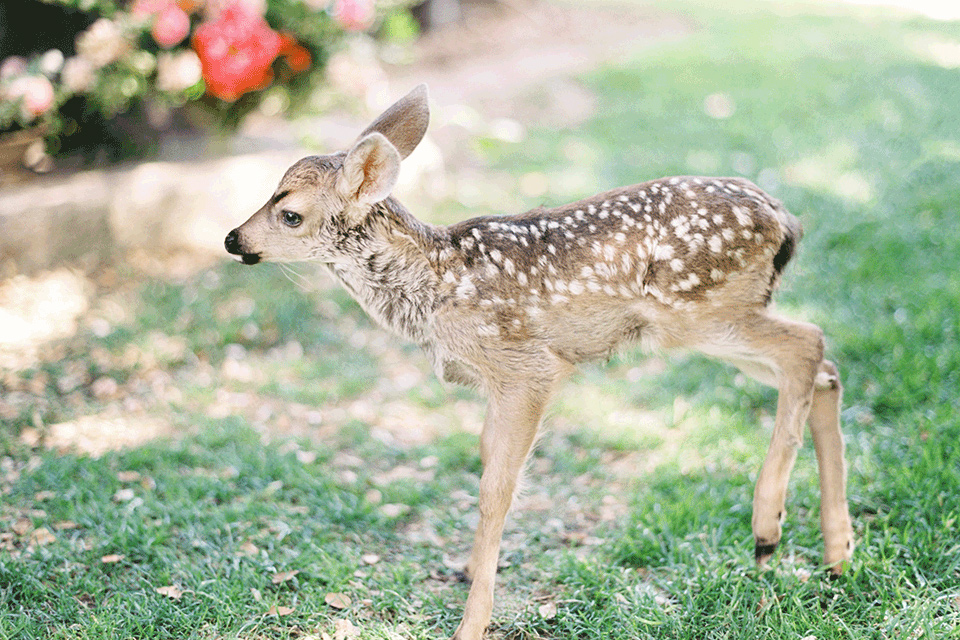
(94,75)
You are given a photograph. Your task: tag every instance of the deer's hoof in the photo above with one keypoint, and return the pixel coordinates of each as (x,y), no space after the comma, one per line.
(763,551)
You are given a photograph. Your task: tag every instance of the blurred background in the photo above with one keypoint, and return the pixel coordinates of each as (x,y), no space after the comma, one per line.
(135,134)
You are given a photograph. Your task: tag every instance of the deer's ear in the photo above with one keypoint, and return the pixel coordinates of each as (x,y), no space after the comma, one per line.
(370,170)
(405,122)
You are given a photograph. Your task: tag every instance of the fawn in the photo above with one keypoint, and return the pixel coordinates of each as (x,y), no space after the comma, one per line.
(511,304)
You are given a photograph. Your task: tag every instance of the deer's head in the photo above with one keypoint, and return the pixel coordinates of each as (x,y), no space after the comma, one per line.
(321,198)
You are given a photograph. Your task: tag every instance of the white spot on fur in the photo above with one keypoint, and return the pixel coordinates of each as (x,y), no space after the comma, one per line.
(742,216)
(663,252)
(676,264)
(689,282)
(466,289)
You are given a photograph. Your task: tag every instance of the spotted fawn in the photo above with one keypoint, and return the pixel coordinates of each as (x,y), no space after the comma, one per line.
(510,304)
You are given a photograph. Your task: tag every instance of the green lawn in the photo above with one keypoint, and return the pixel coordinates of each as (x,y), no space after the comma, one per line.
(318,480)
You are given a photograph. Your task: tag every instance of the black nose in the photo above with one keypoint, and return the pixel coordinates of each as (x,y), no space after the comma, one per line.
(232,243)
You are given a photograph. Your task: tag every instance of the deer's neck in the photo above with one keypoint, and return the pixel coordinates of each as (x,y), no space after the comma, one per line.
(388,271)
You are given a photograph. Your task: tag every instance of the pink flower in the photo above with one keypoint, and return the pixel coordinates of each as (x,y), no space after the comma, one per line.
(147,8)
(236,51)
(12,67)
(354,15)
(170,26)
(36,93)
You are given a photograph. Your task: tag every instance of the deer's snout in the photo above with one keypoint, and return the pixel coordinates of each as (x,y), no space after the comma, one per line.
(232,244)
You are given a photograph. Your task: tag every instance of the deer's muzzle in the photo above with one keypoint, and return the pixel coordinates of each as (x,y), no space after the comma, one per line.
(233,247)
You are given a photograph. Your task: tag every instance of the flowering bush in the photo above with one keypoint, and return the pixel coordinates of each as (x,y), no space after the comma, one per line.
(156,56)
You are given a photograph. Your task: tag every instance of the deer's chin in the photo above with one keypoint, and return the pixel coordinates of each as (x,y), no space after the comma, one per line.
(247,258)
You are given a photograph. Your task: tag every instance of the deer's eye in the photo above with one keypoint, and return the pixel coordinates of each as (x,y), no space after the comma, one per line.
(291,219)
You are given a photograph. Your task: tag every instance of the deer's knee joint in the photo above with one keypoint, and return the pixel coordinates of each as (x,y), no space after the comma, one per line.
(828,376)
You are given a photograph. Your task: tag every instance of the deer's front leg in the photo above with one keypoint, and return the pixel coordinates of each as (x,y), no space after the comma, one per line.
(513,417)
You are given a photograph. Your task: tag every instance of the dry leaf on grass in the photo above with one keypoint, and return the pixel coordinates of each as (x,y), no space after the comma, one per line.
(248,549)
(548,611)
(306,457)
(337,600)
(283,576)
(344,629)
(128,476)
(42,536)
(113,558)
(394,510)
(64,525)
(370,558)
(21,526)
(124,495)
(171,591)
(280,611)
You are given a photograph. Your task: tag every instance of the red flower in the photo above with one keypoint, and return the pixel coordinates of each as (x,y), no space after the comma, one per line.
(297,57)
(236,51)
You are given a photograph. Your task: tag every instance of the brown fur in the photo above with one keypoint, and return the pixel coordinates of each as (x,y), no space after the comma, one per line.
(512,303)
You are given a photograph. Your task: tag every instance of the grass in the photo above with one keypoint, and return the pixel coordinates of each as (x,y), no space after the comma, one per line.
(304,440)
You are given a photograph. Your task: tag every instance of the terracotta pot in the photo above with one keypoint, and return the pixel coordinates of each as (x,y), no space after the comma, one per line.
(15,149)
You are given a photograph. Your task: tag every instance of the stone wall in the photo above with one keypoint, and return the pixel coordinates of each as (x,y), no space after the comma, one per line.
(93,216)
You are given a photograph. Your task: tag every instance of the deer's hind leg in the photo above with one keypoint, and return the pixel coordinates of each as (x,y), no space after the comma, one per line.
(828,441)
(788,355)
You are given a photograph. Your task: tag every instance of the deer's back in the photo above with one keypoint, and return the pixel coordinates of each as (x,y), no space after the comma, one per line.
(638,262)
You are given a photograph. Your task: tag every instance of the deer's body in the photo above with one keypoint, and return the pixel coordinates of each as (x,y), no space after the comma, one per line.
(512,303)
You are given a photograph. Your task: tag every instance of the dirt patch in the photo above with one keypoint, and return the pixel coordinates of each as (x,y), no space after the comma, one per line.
(501,52)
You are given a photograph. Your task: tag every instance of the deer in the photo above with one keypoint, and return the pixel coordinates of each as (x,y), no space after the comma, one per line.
(511,304)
